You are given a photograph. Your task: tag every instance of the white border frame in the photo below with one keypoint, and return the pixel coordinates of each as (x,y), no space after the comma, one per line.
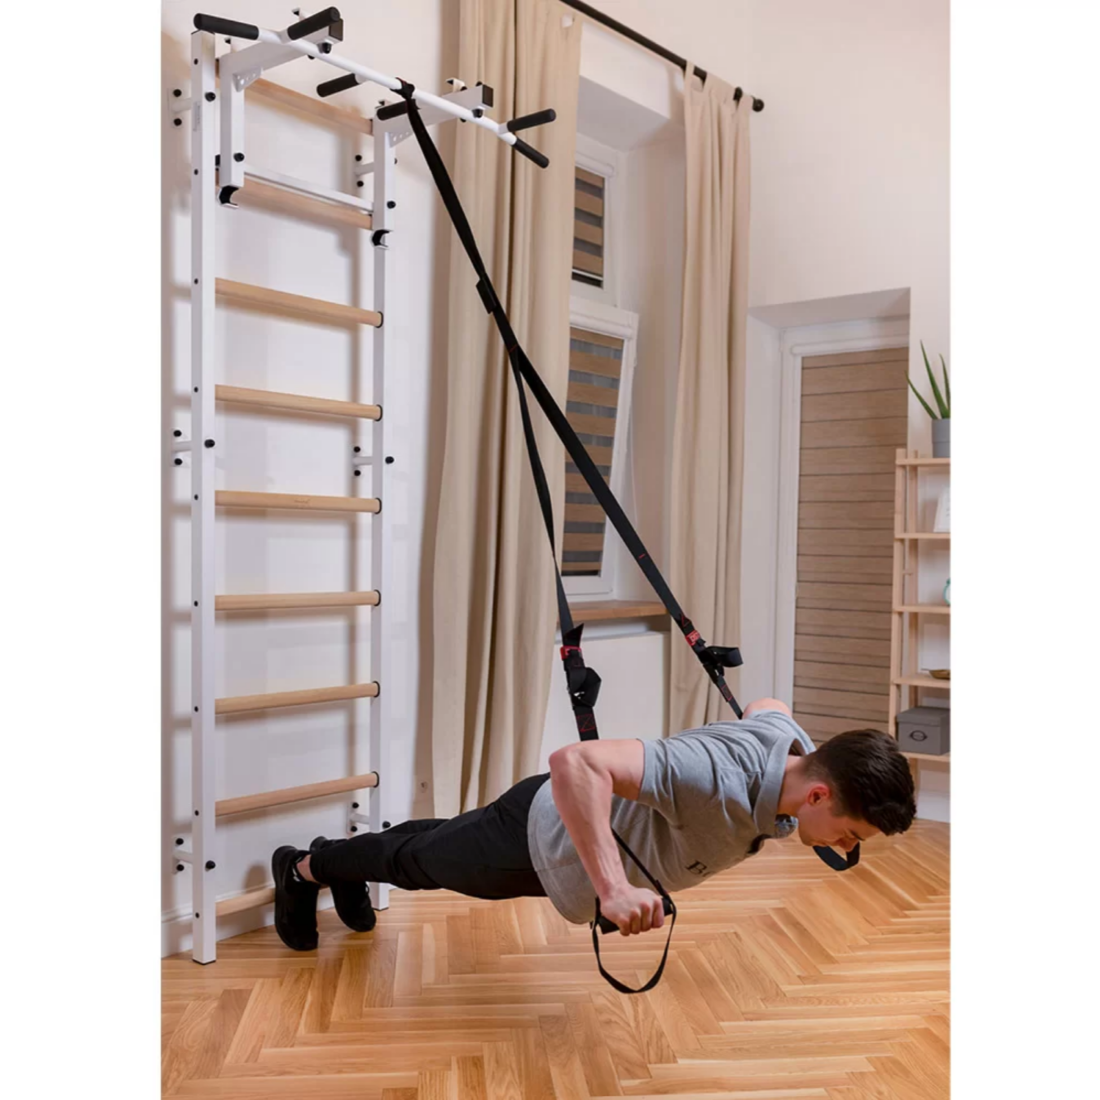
(609,321)
(794,344)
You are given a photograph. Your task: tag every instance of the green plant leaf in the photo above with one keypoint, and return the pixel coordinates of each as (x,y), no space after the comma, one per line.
(946,384)
(944,413)
(927,409)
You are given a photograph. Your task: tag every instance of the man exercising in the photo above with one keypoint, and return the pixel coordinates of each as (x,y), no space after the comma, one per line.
(687,806)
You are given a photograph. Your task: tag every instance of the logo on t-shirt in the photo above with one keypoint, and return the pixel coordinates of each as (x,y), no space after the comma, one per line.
(698,868)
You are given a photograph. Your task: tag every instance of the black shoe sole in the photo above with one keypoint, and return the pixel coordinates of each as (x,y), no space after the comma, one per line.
(294,938)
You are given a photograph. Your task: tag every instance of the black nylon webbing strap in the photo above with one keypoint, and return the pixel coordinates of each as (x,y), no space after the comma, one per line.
(583,682)
(523,369)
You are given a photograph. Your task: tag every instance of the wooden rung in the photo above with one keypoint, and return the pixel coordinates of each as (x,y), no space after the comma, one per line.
(225,498)
(269,399)
(252,900)
(284,601)
(238,704)
(924,608)
(267,196)
(262,297)
(296,101)
(287,795)
(307,105)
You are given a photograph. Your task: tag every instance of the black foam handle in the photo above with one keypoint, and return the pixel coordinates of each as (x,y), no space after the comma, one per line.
(215,24)
(319,22)
(606,925)
(393,110)
(541,159)
(340,84)
(525,122)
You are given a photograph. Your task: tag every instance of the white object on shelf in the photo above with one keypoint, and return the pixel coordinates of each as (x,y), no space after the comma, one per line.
(943,512)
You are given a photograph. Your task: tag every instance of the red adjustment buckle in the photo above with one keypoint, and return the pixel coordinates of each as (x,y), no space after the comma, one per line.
(693,637)
(567,649)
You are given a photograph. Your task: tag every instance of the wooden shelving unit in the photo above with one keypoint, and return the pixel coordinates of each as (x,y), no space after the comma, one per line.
(906,679)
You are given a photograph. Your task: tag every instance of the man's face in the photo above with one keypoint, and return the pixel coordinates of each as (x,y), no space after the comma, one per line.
(818,825)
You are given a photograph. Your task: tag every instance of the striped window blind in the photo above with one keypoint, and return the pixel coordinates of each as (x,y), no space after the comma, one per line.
(595,369)
(588,220)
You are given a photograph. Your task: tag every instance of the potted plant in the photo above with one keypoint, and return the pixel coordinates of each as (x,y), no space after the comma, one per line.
(941,421)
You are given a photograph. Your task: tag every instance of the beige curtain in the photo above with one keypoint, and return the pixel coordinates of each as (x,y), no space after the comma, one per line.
(494,613)
(708,442)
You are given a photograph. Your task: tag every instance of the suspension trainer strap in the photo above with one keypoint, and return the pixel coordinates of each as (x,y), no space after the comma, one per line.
(583,683)
(713,658)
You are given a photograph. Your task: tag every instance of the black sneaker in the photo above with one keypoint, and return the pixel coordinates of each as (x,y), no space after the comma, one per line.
(352,899)
(295,901)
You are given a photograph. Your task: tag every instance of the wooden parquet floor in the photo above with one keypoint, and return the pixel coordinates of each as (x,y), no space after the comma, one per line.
(785,980)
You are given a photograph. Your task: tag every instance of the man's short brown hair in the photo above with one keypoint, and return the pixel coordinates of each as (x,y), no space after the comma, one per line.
(869,777)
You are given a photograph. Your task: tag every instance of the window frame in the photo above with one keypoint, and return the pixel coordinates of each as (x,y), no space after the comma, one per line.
(609,320)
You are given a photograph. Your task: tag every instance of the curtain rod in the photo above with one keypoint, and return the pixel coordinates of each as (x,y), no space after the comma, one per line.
(649,44)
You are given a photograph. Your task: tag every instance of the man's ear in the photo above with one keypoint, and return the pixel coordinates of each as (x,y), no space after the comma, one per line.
(818,793)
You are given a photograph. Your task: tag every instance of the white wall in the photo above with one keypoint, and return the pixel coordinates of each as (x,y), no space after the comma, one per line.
(849,196)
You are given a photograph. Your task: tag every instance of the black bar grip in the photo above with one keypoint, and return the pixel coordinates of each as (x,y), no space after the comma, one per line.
(340,84)
(531,153)
(215,24)
(606,925)
(392,110)
(525,122)
(319,22)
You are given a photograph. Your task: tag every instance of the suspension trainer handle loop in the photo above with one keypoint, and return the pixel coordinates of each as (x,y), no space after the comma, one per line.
(605,925)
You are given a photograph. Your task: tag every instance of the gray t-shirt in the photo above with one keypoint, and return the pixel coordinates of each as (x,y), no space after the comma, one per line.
(708,800)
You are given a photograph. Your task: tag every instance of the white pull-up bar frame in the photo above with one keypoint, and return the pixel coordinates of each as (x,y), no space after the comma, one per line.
(313,37)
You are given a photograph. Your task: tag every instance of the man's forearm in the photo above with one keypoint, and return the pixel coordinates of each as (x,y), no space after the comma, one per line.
(582,794)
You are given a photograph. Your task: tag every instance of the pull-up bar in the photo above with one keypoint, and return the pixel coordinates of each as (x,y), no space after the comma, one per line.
(329,21)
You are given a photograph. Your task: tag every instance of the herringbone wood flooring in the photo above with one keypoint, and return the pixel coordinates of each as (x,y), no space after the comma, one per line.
(785,980)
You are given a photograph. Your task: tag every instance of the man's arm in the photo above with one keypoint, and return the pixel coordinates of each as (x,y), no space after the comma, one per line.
(767,704)
(583,778)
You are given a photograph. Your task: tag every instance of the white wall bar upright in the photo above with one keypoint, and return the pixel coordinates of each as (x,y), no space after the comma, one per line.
(203,727)
(381,468)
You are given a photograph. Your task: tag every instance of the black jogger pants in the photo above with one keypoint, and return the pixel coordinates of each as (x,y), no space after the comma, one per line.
(482,853)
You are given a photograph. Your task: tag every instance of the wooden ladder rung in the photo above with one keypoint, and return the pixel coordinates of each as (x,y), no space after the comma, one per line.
(285,601)
(288,795)
(226,498)
(239,704)
(296,101)
(262,297)
(270,399)
(267,196)
(252,900)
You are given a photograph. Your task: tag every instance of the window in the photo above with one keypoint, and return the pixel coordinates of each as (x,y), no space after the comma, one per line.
(588,228)
(601,365)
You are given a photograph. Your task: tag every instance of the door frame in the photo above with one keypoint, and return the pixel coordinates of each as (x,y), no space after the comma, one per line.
(794,345)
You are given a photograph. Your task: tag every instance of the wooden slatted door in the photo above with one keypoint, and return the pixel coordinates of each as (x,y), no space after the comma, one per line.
(854,417)
(592,408)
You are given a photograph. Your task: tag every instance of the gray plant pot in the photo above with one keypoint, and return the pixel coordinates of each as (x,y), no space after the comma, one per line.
(941,438)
